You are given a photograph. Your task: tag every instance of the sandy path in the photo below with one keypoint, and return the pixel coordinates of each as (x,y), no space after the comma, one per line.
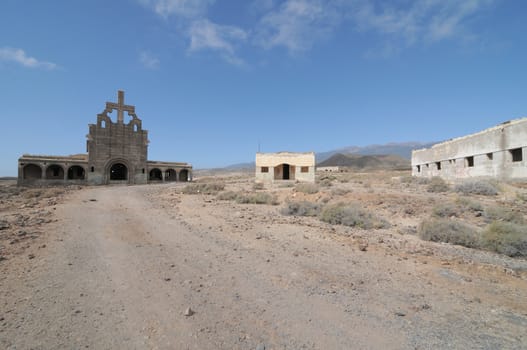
(123,264)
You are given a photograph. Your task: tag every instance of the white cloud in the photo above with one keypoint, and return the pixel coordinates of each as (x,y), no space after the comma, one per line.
(183,8)
(149,60)
(298,24)
(9,54)
(422,21)
(206,35)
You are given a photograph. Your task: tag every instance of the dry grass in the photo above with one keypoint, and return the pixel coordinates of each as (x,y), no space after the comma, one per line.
(448,231)
(480,187)
(506,238)
(203,188)
(303,208)
(307,188)
(351,215)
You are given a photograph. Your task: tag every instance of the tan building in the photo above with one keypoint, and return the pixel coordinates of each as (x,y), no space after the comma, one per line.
(116,153)
(271,167)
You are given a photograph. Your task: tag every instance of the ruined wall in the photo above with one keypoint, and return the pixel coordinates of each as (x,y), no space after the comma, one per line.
(110,143)
(497,152)
(271,167)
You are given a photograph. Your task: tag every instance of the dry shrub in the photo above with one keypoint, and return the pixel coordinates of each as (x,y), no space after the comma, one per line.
(203,188)
(448,231)
(339,191)
(227,196)
(258,186)
(481,187)
(351,215)
(469,204)
(407,179)
(422,180)
(256,198)
(506,238)
(498,213)
(307,188)
(437,184)
(303,208)
(446,210)
(326,180)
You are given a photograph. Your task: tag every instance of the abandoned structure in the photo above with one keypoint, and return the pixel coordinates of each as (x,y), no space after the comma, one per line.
(271,167)
(116,153)
(495,152)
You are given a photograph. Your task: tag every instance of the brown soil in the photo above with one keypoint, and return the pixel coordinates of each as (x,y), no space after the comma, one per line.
(120,266)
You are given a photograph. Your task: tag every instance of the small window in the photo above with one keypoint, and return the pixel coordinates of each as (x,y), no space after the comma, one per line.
(517,155)
(143,170)
(103,124)
(469,161)
(92,169)
(418,168)
(304,169)
(438,165)
(264,169)
(490,156)
(136,128)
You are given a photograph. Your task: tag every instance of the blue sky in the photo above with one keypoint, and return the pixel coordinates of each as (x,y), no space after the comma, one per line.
(212,79)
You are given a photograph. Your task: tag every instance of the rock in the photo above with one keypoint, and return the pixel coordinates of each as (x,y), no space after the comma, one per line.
(400,313)
(4,225)
(189,312)
(363,246)
(31,256)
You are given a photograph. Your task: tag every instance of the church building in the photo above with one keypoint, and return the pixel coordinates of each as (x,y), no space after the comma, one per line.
(116,154)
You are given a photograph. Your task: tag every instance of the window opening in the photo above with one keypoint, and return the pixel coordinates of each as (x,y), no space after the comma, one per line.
(517,155)
(304,169)
(265,169)
(470,161)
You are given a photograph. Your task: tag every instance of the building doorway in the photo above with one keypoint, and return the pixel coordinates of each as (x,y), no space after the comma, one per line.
(118,172)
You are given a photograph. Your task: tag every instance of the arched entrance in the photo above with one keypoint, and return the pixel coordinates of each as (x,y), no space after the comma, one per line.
(54,172)
(32,172)
(170,175)
(183,175)
(118,172)
(155,175)
(284,172)
(76,172)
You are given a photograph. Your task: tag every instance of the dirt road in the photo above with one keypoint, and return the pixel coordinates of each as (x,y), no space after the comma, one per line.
(122,265)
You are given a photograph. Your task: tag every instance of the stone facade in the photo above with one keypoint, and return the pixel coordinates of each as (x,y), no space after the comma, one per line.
(117,153)
(497,152)
(271,167)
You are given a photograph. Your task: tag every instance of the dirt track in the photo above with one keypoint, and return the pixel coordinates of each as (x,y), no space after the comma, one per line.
(122,264)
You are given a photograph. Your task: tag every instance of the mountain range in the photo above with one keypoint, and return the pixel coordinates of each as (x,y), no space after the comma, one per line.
(401,154)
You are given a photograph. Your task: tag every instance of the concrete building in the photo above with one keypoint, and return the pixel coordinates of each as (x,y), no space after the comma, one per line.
(271,167)
(116,153)
(330,169)
(497,152)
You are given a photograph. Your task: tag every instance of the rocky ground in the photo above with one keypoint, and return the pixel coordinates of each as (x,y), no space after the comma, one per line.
(162,267)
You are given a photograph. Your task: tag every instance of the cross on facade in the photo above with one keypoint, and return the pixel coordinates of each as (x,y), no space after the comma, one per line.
(120,106)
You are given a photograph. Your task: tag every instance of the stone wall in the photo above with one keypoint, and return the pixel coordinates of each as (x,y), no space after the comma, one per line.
(271,167)
(112,143)
(497,152)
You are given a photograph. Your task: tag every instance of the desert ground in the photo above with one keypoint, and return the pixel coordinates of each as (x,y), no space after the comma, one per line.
(223,263)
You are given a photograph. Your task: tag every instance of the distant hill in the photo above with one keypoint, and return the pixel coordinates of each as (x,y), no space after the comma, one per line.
(370,162)
(403,149)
